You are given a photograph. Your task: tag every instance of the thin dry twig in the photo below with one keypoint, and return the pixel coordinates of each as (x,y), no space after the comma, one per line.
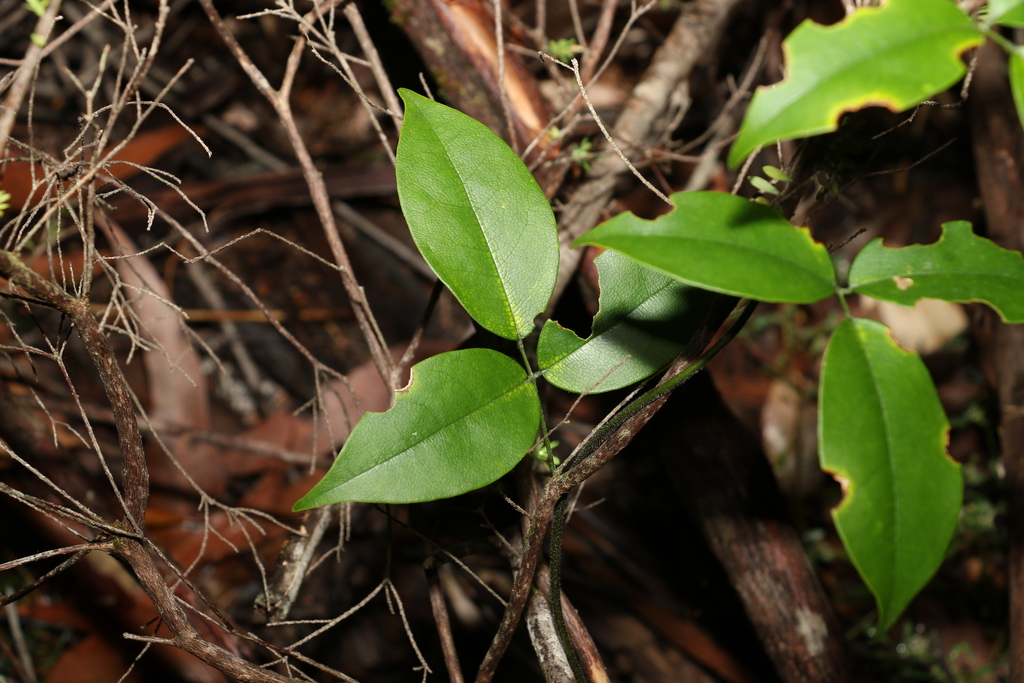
(26,73)
(444,628)
(611,141)
(279,99)
(56,552)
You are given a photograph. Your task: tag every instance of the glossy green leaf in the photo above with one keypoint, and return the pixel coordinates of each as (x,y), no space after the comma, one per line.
(763,185)
(1006,12)
(961,267)
(477,215)
(726,244)
(646,320)
(777,174)
(465,420)
(895,56)
(883,434)
(1017,83)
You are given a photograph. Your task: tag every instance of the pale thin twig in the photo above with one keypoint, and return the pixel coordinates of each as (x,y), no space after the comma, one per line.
(314,179)
(24,656)
(650,186)
(577,24)
(417,336)
(741,176)
(499,38)
(26,73)
(28,588)
(574,104)
(408,630)
(355,20)
(331,622)
(46,554)
(444,627)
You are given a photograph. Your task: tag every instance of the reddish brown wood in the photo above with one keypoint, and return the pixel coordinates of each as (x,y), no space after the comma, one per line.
(718,469)
(998,151)
(456,40)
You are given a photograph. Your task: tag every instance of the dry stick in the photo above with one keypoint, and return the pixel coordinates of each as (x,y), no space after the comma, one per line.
(499,39)
(22,656)
(347,74)
(444,627)
(135,473)
(586,648)
(25,590)
(611,140)
(417,337)
(27,71)
(574,10)
(999,154)
(597,449)
(695,31)
(599,39)
(185,635)
(76,27)
(318,190)
(554,644)
(573,106)
(355,20)
(46,554)
(292,563)
(545,641)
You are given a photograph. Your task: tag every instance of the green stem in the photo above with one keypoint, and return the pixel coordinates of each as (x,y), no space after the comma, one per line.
(557,524)
(591,445)
(998,39)
(533,375)
(598,436)
(555,601)
(842,301)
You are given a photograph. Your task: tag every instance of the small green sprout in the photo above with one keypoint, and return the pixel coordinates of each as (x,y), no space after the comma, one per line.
(5,201)
(564,49)
(581,154)
(545,454)
(37,7)
(762,184)
(777,174)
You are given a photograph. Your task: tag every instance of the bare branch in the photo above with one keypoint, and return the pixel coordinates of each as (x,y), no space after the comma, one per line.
(26,72)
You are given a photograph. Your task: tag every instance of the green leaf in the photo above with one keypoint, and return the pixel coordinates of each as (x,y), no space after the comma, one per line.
(564,49)
(777,174)
(646,320)
(1006,12)
(959,267)
(1017,83)
(37,7)
(726,244)
(762,184)
(477,215)
(883,433)
(895,56)
(465,420)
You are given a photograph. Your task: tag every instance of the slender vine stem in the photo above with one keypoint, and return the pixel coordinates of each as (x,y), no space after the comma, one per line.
(588,447)
(555,565)
(841,294)
(562,481)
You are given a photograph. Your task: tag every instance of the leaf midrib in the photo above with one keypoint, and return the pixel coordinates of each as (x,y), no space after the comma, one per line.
(506,300)
(440,429)
(734,246)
